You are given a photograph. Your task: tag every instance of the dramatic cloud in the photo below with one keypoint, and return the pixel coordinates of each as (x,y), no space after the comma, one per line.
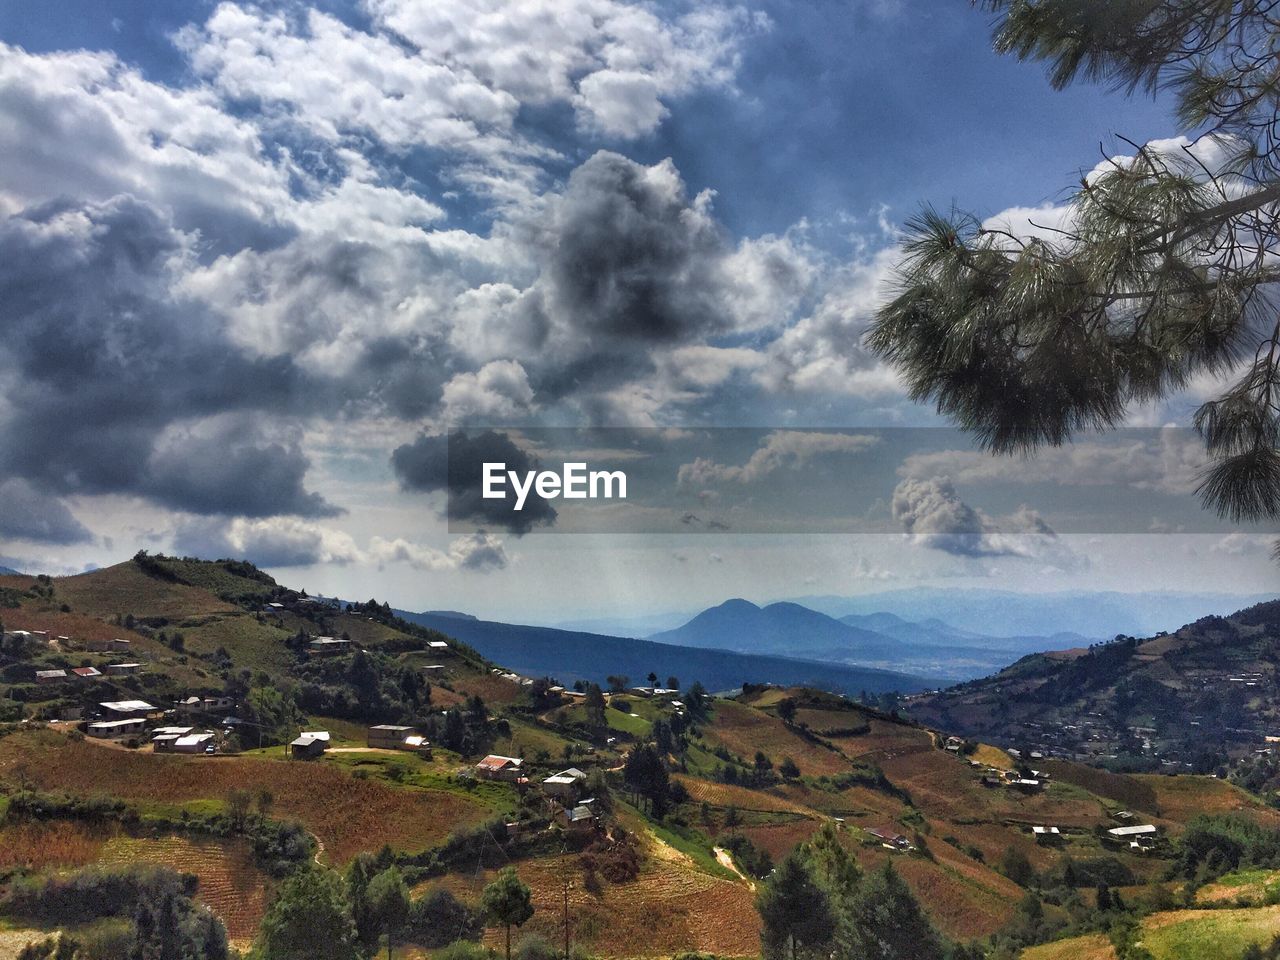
(28,514)
(110,377)
(1168,461)
(933,515)
(614,62)
(454,464)
(499,391)
(275,542)
(780,449)
(287,542)
(479,551)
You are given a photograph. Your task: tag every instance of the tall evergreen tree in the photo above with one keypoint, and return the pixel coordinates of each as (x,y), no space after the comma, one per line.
(1161,270)
(889,923)
(310,919)
(507,903)
(794,910)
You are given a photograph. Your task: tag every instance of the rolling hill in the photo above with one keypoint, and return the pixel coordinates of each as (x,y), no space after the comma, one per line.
(570,655)
(1156,701)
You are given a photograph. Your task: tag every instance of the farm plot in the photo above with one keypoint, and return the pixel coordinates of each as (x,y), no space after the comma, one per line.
(124,588)
(726,795)
(1094,946)
(230,883)
(671,907)
(1182,798)
(742,731)
(883,740)
(1209,934)
(41,844)
(347,813)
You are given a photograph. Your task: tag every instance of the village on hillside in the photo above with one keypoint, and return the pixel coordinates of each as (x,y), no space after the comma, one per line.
(258,737)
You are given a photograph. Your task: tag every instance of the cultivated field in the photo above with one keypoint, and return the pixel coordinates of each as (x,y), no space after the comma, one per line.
(743,731)
(230,883)
(346,813)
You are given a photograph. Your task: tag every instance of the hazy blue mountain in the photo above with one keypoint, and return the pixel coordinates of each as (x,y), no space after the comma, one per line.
(1000,613)
(778,628)
(572,655)
(9,572)
(792,630)
(626,626)
(452,614)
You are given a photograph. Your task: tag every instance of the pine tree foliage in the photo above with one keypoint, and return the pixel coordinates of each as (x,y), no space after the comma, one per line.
(1163,270)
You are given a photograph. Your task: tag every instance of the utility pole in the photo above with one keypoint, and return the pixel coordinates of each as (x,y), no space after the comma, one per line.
(567,885)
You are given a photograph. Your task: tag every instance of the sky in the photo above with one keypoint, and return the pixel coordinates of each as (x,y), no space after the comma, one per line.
(256,262)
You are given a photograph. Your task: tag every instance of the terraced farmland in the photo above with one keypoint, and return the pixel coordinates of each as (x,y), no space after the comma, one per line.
(348,814)
(230,883)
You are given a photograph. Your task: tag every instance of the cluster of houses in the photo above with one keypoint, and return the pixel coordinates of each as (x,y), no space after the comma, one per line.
(42,638)
(1131,835)
(576,814)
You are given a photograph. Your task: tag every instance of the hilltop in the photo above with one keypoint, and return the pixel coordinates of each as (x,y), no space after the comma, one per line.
(1193,698)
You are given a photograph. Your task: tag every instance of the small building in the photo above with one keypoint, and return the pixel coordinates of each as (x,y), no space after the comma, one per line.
(1138,832)
(163,738)
(204,705)
(115,643)
(418,744)
(578,819)
(1026,785)
(51,676)
(564,785)
(117,709)
(110,729)
(122,669)
(388,736)
(309,745)
(1046,836)
(87,673)
(438,646)
(193,743)
(329,646)
(433,668)
(494,767)
(890,838)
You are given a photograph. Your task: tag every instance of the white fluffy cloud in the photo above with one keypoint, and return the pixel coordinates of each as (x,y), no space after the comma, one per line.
(779,449)
(933,515)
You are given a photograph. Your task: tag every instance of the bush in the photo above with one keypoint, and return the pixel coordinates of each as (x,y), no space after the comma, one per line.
(534,947)
(464,950)
(440,918)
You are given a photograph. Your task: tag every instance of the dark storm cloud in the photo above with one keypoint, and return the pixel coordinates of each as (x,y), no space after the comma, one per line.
(105,364)
(628,256)
(28,514)
(454,464)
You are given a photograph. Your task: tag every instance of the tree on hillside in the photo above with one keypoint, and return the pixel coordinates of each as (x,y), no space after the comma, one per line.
(888,922)
(507,902)
(696,700)
(794,911)
(1161,269)
(617,683)
(389,903)
(787,708)
(310,919)
(646,775)
(595,705)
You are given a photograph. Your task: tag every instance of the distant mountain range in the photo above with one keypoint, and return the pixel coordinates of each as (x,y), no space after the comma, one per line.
(9,572)
(881,640)
(573,655)
(1003,613)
